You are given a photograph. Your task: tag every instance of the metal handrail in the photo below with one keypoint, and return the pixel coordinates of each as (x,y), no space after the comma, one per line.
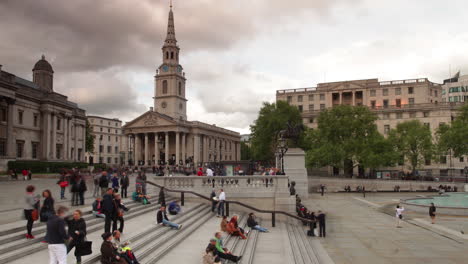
(272,212)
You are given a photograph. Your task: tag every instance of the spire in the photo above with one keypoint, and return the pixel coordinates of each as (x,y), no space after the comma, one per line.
(170,37)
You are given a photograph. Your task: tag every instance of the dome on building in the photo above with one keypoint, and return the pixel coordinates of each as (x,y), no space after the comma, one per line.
(43,65)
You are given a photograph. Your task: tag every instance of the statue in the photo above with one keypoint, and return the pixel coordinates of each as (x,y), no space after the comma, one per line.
(292,132)
(292,189)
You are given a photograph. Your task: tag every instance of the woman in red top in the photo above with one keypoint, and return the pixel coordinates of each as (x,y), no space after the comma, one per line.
(233,228)
(200,172)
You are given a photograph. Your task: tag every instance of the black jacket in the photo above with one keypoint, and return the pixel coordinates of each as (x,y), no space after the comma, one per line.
(76,225)
(251,222)
(108,253)
(321,218)
(160,216)
(108,205)
(125,181)
(162,198)
(48,205)
(56,233)
(103,182)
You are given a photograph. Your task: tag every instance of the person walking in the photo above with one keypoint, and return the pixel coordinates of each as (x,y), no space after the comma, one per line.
(31,205)
(96,184)
(399,215)
(109,209)
(322,189)
(321,220)
(432,210)
(124,183)
(82,188)
(56,236)
(222,200)
(74,189)
(63,183)
(103,183)
(115,183)
(76,232)
(364,191)
(47,209)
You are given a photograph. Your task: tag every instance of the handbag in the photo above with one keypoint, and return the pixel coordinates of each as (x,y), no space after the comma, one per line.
(35,215)
(63,184)
(400,216)
(44,216)
(84,248)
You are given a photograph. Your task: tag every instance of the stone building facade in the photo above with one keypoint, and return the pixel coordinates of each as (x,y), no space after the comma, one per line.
(109,141)
(37,123)
(163,135)
(455,89)
(392,101)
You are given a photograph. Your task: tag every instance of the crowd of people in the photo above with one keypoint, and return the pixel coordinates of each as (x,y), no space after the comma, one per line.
(316,220)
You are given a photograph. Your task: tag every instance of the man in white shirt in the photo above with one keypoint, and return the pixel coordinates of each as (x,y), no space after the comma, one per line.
(399,214)
(209,172)
(222,200)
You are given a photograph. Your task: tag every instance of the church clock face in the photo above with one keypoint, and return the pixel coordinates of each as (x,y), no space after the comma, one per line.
(179,68)
(165,68)
(164,105)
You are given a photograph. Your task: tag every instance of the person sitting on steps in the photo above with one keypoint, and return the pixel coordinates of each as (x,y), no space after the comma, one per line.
(97,208)
(174,208)
(254,224)
(223,252)
(138,196)
(210,256)
(162,219)
(123,248)
(233,228)
(224,224)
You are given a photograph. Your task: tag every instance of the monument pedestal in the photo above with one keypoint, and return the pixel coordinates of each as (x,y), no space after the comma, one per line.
(294,168)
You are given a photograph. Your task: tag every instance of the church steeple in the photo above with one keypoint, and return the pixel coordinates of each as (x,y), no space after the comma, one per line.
(170,48)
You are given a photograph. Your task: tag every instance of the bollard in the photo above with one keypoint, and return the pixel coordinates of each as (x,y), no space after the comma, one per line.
(227,209)
(273,220)
(182,198)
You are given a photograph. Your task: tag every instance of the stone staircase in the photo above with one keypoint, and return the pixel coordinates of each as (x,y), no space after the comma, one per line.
(152,243)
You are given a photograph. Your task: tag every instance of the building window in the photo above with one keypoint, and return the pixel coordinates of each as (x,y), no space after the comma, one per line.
(79,154)
(311,107)
(100,121)
(397,91)
(372,104)
(108,130)
(411,101)
(19,148)
(3,114)
(116,150)
(443,159)
(386,129)
(428,125)
(20,117)
(385,92)
(430,92)
(398,102)
(180,88)
(36,120)
(300,108)
(322,97)
(100,129)
(34,149)
(322,106)
(386,116)
(289,99)
(101,148)
(72,153)
(164,88)
(299,98)
(412,114)
(410,90)
(427,161)
(426,114)
(59,123)
(462,159)
(436,93)
(116,139)
(311,97)
(116,160)
(58,151)
(109,138)
(100,137)
(109,160)
(385,103)
(399,115)
(311,120)
(109,149)
(2,147)
(372,92)
(116,131)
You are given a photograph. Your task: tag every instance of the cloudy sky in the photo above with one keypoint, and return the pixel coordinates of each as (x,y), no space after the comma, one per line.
(236,54)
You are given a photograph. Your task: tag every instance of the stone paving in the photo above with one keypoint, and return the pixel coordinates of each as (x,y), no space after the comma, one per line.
(357,232)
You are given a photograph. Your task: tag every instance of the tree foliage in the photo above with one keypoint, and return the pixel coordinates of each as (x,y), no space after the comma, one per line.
(89,138)
(272,118)
(413,141)
(455,136)
(348,134)
(246,152)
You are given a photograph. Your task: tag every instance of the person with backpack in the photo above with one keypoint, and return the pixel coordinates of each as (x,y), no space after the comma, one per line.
(103,183)
(124,183)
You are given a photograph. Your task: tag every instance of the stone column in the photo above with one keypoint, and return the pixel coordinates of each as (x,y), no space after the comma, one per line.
(184,156)
(341,98)
(83,142)
(353,94)
(70,132)
(137,149)
(53,142)
(76,142)
(206,139)
(238,151)
(166,151)
(146,149)
(11,141)
(196,149)
(65,138)
(177,148)
(156,149)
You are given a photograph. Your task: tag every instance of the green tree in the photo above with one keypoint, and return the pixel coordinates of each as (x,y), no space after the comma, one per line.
(348,135)
(89,138)
(412,140)
(272,118)
(455,136)
(246,153)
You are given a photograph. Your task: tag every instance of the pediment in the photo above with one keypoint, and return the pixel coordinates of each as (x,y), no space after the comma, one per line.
(346,86)
(150,119)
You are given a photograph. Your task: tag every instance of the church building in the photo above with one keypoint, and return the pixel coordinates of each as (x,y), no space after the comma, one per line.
(163,135)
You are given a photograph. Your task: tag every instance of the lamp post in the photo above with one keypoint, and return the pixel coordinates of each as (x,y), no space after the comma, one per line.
(282,148)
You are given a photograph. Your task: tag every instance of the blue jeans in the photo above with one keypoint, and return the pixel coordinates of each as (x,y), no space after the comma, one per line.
(172,225)
(259,228)
(62,192)
(221,208)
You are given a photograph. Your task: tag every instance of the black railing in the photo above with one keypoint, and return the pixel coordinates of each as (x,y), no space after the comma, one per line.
(272,212)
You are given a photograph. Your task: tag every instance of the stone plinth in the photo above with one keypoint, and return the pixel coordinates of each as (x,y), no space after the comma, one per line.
(294,167)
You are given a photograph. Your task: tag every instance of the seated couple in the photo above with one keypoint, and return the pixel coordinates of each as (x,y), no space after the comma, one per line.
(114,252)
(138,196)
(232,227)
(162,219)
(215,251)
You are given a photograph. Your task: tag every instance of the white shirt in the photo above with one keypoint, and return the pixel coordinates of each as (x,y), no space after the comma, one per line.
(399,211)
(222,196)
(209,172)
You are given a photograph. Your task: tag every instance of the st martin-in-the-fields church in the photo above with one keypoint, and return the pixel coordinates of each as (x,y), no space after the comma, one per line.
(163,135)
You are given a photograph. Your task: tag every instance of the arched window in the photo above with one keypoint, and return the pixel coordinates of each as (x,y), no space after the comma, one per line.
(180,88)
(167,54)
(172,54)
(164,88)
